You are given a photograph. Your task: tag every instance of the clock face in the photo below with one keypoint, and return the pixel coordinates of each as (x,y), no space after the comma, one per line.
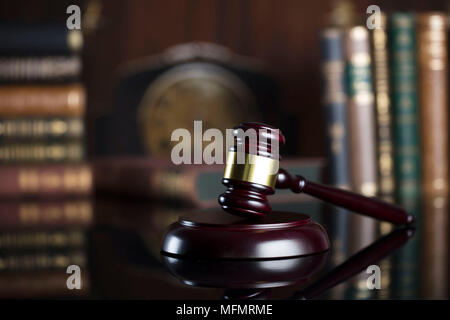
(194,91)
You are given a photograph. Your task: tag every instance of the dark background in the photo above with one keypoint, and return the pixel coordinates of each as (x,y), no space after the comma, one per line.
(282,33)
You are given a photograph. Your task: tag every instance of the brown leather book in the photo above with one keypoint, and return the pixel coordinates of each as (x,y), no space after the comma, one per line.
(34,129)
(433,99)
(48,214)
(46,68)
(45,100)
(362,122)
(39,152)
(42,181)
(43,239)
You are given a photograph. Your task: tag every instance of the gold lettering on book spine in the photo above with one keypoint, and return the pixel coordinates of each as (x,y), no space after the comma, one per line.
(383,110)
(432,62)
(335,92)
(32,180)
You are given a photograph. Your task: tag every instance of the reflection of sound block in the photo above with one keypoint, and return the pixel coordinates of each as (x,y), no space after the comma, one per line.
(217,234)
(245,274)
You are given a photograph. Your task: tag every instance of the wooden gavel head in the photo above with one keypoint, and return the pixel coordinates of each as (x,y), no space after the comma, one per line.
(251,170)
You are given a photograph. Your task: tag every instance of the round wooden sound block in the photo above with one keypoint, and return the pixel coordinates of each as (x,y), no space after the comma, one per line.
(216,234)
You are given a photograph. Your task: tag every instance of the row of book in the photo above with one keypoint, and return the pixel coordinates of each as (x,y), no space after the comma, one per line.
(42,105)
(385,105)
(45,181)
(385,99)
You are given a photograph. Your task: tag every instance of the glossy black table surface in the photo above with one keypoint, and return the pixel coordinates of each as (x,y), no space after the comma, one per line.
(115,244)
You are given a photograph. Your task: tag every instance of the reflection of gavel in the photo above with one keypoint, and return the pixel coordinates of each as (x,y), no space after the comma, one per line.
(358,262)
(254,278)
(249,183)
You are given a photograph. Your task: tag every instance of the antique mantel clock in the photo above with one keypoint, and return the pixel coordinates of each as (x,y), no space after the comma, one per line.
(193,81)
(188,92)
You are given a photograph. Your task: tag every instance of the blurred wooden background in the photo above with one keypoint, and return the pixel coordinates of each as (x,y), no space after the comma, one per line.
(282,33)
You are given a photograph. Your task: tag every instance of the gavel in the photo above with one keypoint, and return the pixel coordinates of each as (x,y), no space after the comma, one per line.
(250,181)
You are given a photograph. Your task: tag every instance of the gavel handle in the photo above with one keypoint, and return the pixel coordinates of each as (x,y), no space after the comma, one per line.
(352,201)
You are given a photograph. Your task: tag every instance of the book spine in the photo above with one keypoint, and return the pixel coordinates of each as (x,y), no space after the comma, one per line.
(362,131)
(41,261)
(49,239)
(44,128)
(335,106)
(28,69)
(361,112)
(405,105)
(335,111)
(433,73)
(29,214)
(42,101)
(47,39)
(41,152)
(385,139)
(45,180)
(385,150)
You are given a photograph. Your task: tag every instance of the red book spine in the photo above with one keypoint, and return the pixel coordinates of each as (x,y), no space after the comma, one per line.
(45,181)
(30,214)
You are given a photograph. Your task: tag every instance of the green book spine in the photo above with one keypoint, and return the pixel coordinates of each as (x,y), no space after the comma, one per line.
(405,104)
